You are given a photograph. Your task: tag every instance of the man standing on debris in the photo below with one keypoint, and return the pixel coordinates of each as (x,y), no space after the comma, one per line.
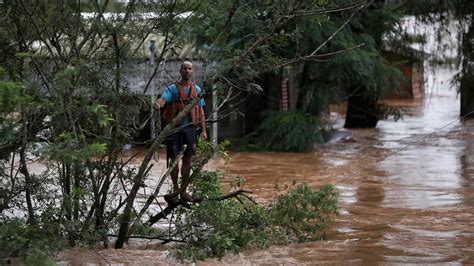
(174,99)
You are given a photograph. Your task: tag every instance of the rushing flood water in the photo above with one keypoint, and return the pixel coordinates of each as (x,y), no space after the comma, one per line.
(407,192)
(406,189)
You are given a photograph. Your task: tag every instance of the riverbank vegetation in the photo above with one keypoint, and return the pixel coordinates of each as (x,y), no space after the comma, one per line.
(68,110)
(217,224)
(292,131)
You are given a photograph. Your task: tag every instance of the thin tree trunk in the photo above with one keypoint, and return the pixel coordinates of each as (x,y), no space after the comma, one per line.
(467,95)
(24,171)
(467,78)
(67,191)
(77,187)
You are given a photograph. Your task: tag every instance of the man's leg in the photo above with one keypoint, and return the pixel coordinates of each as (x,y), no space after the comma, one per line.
(172,150)
(189,138)
(186,166)
(174,177)
(185,173)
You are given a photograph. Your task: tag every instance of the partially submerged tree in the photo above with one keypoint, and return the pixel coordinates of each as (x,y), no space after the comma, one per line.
(350,66)
(333,50)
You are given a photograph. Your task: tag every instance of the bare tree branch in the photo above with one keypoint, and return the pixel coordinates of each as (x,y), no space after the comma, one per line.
(313,55)
(174,205)
(158,187)
(304,13)
(317,56)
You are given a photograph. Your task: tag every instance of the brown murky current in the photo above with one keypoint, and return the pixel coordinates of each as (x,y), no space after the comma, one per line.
(407,193)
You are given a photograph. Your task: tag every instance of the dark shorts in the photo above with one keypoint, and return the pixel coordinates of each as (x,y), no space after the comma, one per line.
(174,142)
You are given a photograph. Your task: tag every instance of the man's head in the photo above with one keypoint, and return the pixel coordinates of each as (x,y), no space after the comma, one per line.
(186,71)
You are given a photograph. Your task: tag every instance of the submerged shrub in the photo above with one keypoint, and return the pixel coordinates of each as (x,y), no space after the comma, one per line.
(213,227)
(290,131)
(303,212)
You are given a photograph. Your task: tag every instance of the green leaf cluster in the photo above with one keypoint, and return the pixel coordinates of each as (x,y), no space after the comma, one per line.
(67,149)
(64,102)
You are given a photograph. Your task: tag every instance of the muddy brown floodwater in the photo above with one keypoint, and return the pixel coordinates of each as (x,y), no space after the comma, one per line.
(407,193)
(405,197)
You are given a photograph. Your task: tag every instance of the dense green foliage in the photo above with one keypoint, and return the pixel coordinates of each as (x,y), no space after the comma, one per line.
(10,99)
(218,226)
(214,227)
(65,100)
(332,50)
(362,70)
(304,213)
(291,131)
(34,243)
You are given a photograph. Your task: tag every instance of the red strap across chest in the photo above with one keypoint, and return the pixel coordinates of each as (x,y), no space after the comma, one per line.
(183,95)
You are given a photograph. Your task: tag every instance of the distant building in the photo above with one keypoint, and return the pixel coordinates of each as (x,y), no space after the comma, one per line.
(411,63)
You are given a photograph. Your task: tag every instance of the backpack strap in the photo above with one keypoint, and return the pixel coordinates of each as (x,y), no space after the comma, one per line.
(191,94)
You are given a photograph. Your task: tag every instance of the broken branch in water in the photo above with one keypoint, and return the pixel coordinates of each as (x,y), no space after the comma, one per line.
(173,205)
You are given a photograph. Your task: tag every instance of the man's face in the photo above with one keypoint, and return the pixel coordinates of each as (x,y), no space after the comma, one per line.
(186,71)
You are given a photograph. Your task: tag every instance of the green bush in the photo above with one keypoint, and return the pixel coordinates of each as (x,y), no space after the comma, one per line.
(290,131)
(303,212)
(213,227)
(33,243)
